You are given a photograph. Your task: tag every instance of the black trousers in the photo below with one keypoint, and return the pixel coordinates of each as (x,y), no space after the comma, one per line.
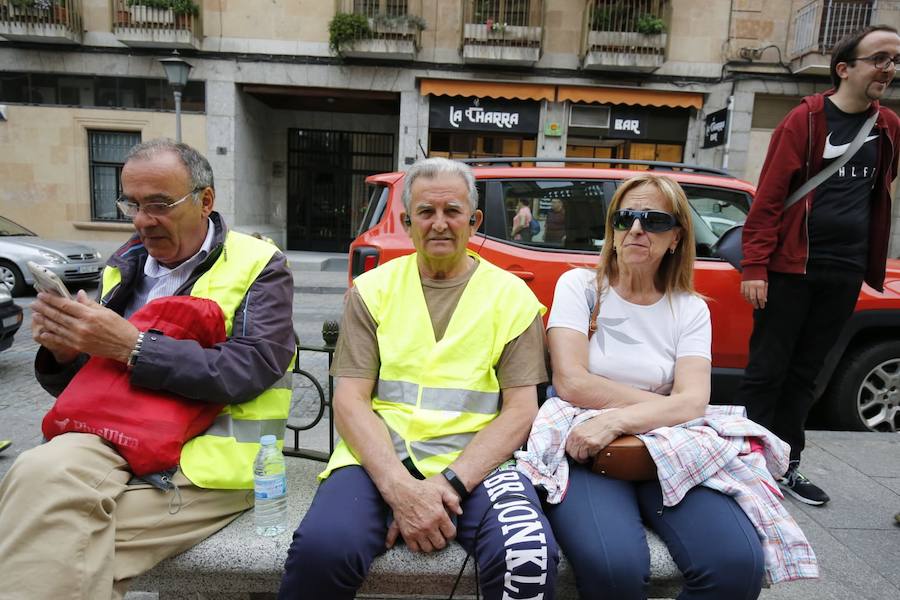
(802,320)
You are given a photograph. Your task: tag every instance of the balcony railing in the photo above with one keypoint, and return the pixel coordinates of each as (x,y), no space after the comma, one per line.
(818,25)
(503,31)
(146,25)
(55,21)
(394,28)
(625,35)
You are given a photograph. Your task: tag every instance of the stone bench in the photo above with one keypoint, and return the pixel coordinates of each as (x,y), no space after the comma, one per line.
(235,562)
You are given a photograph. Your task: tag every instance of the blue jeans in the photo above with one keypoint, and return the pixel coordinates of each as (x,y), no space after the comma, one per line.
(600,528)
(345,527)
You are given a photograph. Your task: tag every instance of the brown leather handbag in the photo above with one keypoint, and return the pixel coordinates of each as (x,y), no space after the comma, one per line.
(625,458)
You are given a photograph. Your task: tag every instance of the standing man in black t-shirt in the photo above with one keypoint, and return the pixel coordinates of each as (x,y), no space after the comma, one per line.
(803,267)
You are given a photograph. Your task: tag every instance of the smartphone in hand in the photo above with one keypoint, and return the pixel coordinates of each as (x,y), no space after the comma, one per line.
(46,280)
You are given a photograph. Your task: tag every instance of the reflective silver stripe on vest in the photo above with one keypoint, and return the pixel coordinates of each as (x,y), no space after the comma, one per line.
(245,430)
(456,400)
(401,392)
(440,445)
(285,383)
(399,444)
(464,401)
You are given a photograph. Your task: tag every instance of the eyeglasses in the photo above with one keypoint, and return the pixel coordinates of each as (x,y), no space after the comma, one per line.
(652,221)
(154,209)
(881,61)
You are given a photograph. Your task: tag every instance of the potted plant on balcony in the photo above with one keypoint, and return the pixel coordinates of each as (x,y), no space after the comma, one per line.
(611,28)
(30,8)
(162,11)
(60,12)
(650,24)
(346,28)
(185,11)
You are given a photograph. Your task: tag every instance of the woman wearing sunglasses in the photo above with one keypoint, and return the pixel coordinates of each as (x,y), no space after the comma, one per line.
(633,335)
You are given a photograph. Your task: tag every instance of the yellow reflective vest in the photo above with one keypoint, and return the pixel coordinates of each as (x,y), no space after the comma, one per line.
(222,457)
(435,396)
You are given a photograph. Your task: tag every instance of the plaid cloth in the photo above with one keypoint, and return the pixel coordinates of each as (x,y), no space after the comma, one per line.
(722,450)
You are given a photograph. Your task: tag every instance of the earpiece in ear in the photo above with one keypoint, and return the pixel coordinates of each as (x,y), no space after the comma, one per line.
(407,221)
(472,220)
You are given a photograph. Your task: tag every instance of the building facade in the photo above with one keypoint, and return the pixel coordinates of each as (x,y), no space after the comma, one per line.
(295,102)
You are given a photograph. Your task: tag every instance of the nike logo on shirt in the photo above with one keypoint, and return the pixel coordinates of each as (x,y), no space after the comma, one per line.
(835,151)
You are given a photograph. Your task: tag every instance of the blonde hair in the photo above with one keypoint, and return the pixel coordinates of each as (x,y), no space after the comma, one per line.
(676,271)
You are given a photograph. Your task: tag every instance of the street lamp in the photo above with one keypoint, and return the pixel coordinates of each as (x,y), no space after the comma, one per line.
(177,73)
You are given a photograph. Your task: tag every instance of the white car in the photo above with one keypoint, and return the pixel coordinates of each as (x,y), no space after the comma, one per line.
(74,263)
(719,225)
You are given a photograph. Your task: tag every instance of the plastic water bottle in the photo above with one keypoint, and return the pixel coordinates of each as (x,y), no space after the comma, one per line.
(270,489)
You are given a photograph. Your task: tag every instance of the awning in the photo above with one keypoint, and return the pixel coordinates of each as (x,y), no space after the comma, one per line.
(640,97)
(487,89)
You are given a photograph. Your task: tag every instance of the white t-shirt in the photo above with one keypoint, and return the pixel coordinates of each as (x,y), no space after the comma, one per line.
(634,344)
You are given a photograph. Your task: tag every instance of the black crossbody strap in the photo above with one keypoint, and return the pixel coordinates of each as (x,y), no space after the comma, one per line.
(828,171)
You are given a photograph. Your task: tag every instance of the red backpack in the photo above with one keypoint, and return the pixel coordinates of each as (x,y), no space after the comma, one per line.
(147,427)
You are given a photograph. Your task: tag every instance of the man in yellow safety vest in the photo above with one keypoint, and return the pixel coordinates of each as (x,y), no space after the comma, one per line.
(438,360)
(75,522)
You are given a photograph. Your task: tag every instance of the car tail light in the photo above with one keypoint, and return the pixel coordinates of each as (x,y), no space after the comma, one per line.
(364,259)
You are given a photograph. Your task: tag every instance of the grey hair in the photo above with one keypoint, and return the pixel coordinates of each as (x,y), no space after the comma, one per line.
(429,168)
(196,164)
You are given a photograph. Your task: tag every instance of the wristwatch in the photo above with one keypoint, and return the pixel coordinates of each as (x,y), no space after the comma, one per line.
(136,351)
(456,483)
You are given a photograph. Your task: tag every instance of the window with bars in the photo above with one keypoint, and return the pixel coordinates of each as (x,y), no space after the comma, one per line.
(510,12)
(390,8)
(107,151)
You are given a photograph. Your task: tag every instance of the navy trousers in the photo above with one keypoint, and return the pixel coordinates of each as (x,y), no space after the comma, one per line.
(502,525)
(600,528)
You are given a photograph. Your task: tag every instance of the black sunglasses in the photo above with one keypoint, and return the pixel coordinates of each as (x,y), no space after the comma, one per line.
(652,221)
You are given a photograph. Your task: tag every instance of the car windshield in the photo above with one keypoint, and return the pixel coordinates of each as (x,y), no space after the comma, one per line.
(570,213)
(8,229)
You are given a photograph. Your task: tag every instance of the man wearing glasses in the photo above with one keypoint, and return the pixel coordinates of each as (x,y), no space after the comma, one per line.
(803,267)
(74,521)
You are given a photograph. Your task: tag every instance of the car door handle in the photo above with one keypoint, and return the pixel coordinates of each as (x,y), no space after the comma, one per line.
(526,275)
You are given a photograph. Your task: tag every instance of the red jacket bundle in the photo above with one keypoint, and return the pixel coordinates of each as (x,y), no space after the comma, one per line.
(147,427)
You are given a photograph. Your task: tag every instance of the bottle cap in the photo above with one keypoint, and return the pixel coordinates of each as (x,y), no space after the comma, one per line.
(268,440)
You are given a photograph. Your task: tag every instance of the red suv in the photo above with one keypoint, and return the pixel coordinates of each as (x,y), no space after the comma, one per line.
(860,384)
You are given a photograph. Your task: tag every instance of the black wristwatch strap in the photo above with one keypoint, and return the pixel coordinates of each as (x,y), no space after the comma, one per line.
(456,483)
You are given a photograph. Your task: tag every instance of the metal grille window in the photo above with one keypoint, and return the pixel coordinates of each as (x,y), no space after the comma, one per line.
(390,8)
(507,12)
(107,156)
(327,173)
(819,24)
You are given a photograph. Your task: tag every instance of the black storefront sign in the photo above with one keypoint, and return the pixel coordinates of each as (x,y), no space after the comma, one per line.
(660,125)
(628,123)
(479,114)
(715,132)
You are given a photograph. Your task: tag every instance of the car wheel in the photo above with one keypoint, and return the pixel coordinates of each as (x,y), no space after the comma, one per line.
(865,391)
(12,277)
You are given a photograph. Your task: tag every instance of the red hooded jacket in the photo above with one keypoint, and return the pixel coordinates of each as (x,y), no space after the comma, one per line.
(778,240)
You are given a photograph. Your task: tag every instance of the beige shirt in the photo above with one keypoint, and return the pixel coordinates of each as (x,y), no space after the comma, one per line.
(521,363)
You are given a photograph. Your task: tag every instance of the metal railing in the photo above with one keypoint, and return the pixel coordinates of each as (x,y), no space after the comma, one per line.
(388,19)
(157,16)
(309,400)
(43,12)
(503,22)
(818,25)
(630,26)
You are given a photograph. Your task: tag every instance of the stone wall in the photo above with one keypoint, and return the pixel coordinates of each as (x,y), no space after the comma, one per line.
(45,166)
